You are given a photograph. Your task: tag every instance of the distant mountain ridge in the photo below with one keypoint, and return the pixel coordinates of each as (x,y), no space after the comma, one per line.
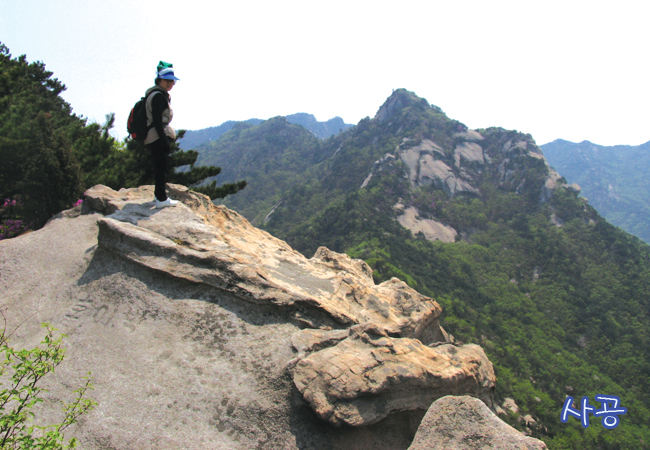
(194,138)
(613,178)
(321,130)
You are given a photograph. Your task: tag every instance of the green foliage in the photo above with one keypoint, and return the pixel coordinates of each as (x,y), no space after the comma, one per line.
(555,312)
(101,157)
(274,155)
(36,163)
(614,179)
(21,372)
(51,178)
(135,169)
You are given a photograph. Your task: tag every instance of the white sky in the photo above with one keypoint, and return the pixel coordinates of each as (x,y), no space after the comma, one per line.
(576,70)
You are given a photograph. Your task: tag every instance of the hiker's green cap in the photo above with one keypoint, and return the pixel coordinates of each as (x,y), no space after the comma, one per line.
(165,71)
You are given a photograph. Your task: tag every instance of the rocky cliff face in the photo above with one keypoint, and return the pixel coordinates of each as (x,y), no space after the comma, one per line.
(435,153)
(460,170)
(204,332)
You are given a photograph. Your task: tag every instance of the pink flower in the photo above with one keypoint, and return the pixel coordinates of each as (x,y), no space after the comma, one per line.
(11,228)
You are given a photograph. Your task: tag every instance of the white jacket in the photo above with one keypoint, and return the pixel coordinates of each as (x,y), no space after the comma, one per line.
(167,115)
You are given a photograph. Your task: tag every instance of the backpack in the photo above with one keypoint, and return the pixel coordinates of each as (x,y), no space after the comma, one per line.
(136,124)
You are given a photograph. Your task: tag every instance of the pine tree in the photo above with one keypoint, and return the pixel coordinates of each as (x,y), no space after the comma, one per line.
(51,180)
(36,161)
(181,170)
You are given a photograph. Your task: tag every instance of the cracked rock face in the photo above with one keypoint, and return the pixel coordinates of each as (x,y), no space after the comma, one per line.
(360,375)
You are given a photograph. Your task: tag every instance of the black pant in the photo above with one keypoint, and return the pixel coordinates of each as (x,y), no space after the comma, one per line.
(160,158)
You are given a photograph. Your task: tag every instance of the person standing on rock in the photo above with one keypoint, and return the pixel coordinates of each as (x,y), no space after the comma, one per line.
(159,116)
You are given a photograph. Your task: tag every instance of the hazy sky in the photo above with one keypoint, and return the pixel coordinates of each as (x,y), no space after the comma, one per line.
(576,70)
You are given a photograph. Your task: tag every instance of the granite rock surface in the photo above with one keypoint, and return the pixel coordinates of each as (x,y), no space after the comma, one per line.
(466,423)
(203,332)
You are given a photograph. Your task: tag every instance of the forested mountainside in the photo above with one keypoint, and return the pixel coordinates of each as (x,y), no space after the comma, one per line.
(614,179)
(322,130)
(477,219)
(273,156)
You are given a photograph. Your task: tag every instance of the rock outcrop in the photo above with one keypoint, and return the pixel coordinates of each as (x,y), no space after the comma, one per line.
(204,332)
(358,376)
(214,246)
(432,230)
(427,165)
(465,423)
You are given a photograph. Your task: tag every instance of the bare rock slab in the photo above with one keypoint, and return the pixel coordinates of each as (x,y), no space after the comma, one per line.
(212,245)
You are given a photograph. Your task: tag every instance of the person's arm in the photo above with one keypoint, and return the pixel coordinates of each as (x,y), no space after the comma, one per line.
(159,103)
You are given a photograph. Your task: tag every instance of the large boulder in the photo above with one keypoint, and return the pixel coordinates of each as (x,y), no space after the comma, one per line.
(359,376)
(466,423)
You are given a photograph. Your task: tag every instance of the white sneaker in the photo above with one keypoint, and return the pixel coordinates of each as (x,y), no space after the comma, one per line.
(166,203)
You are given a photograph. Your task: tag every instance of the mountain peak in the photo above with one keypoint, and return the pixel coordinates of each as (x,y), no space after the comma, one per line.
(398,101)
